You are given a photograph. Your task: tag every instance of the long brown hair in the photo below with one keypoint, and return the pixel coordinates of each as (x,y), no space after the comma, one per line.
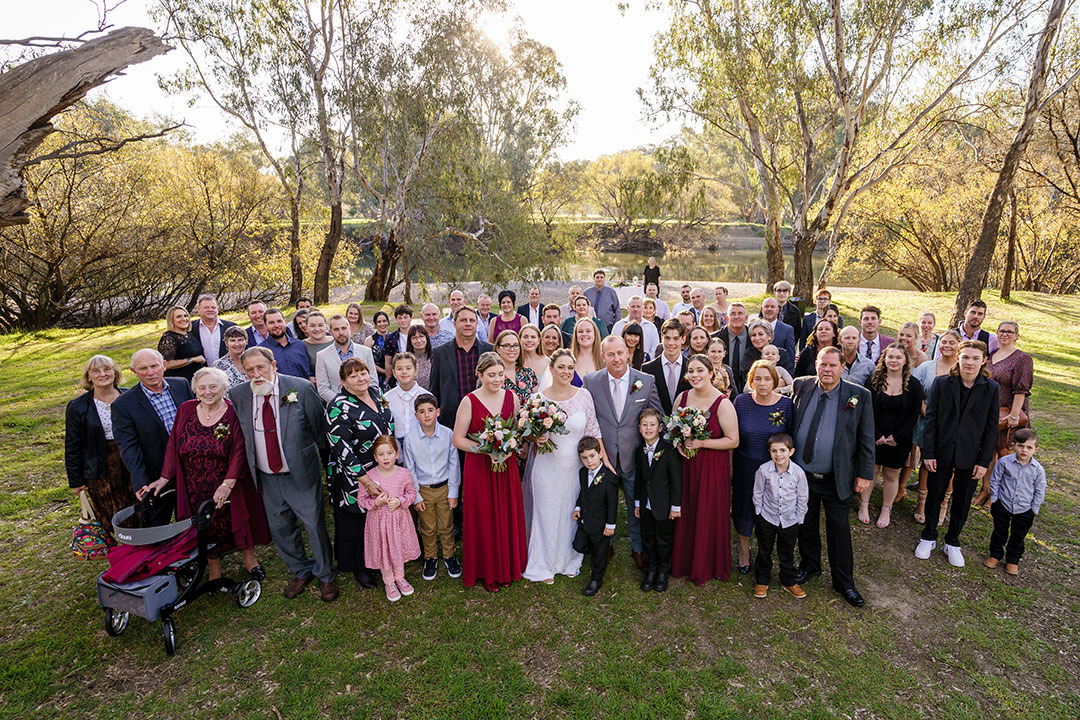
(979,345)
(877,379)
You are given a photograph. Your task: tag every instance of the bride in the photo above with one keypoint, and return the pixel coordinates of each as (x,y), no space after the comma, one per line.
(551,482)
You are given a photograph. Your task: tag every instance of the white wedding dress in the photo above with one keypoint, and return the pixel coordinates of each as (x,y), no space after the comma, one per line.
(550,493)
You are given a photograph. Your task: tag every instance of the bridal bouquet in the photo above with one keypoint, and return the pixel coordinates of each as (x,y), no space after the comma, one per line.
(500,439)
(686,423)
(538,416)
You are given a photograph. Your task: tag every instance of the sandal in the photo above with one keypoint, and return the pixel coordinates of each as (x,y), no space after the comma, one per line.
(864,513)
(884,518)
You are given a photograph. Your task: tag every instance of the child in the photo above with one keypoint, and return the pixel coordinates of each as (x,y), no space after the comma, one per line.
(402,396)
(657,499)
(389,533)
(772,354)
(1017,490)
(433,462)
(780,499)
(597,506)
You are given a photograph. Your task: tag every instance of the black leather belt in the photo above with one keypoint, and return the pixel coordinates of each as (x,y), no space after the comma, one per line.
(435,486)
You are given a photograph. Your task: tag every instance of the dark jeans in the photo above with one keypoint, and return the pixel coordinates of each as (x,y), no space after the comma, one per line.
(784,539)
(1020,523)
(598,547)
(963,489)
(837,534)
(657,539)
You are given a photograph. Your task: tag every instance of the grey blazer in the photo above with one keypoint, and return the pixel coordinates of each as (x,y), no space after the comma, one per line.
(303,427)
(853,446)
(621,436)
(328,363)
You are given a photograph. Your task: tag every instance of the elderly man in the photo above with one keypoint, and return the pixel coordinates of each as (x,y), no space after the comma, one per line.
(328,360)
(604,300)
(142,419)
(257,333)
(284,424)
(483,316)
(432,316)
(856,368)
(872,342)
(736,339)
(834,445)
(634,309)
(532,310)
(789,311)
(783,335)
(456,300)
(567,309)
(290,354)
(210,331)
(620,393)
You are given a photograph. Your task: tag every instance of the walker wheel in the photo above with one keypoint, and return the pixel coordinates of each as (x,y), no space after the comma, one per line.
(116,621)
(248,593)
(168,628)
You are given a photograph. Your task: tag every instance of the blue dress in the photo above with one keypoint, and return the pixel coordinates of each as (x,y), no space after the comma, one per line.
(756,424)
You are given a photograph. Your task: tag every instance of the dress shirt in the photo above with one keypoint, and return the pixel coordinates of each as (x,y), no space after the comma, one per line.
(482,327)
(858,371)
(680,306)
(343,356)
(292,359)
(163,405)
(662,310)
(870,349)
(1019,487)
(672,368)
(533,314)
(261,463)
(992,345)
(605,303)
(255,337)
(211,341)
(401,407)
(781,498)
(442,336)
(822,460)
(650,338)
(618,392)
(431,459)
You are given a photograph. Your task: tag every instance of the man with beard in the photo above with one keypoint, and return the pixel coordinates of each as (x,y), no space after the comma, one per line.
(283,422)
(289,353)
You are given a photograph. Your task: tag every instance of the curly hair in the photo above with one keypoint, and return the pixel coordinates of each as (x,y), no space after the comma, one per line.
(878,377)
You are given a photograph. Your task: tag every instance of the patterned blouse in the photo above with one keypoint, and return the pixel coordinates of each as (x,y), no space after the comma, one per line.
(353,427)
(236,376)
(524,385)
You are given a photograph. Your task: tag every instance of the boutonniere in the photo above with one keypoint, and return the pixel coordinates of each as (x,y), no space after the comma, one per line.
(635,386)
(290,397)
(852,402)
(777,418)
(383,402)
(222,430)
(656,455)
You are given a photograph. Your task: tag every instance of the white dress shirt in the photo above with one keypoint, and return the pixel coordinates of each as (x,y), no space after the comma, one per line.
(871,346)
(401,407)
(211,341)
(261,463)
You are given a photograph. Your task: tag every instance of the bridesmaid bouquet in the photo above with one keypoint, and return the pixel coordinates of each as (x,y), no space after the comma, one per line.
(686,423)
(500,439)
(538,416)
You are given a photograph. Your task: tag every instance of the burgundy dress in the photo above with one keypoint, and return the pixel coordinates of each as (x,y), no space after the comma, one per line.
(1014,376)
(516,324)
(199,458)
(493,547)
(702,549)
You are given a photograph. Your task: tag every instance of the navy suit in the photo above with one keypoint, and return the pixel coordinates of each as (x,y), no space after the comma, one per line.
(253,338)
(791,315)
(225,325)
(784,338)
(523,311)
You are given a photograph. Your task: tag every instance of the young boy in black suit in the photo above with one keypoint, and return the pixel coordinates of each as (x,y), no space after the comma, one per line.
(658,499)
(596,511)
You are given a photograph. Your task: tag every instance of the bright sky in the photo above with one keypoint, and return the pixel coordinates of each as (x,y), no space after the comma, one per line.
(605,55)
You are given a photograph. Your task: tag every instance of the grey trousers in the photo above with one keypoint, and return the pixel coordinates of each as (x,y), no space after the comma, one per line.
(633,524)
(289,504)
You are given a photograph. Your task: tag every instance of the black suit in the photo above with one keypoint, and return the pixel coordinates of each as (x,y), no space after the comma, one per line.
(443,381)
(738,365)
(85,452)
(599,507)
(656,369)
(959,434)
(224,325)
(660,487)
(853,457)
(523,311)
(792,316)
(142,437)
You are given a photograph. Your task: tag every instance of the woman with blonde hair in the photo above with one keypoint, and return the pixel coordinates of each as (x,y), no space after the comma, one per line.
(182,351)
(586,347)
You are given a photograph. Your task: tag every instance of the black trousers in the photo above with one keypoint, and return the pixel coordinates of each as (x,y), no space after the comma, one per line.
(784,539)
(1007,539)
(598,547)
(837,534)
(657,539)
(963,489)
(349,540)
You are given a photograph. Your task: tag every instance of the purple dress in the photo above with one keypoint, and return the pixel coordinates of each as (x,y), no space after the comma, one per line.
(501,325)
(756,424)
(1014,377)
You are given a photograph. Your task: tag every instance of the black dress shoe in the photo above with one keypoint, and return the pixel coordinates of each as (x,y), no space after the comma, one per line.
(661,582)
(258,573)
(649,581)
(743,569)
(592,588)
(804,576)
(363,579)
(852,597)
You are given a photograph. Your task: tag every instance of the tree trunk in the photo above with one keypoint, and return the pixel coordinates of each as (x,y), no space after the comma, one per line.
(804,264)
(972,285)
(1010,257)
(774,251)
(296,270)
(382,275)
(326,256)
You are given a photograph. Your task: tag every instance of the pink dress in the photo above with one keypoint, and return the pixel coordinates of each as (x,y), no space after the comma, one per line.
(389,535)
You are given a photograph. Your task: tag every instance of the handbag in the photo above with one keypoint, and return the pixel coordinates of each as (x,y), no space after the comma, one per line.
(89,539)
(1003,417)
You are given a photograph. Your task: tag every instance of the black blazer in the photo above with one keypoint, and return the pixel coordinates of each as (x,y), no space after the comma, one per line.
(738,368)
(225,325)
(443,381)
(853,444)
(956,440)
(140,433)
(656,369)
(661,484)
(84,441)
(523,311)
(752,355)
(599,504)
(792,316)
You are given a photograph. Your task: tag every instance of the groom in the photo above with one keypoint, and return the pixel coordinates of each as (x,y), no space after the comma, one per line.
(620,393)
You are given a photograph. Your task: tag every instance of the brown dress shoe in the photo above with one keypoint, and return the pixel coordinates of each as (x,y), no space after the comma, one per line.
(991,562)
(639,560)
(296,586)
(761,591)
(328,591)
(1012,568)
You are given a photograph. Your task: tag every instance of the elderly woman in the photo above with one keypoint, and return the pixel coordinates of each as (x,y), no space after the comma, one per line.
(235,343)
(359,330)
(825,333)
(761,413)
(519,378)
(91,456)
(761,334)
(207,458)
(182,351)
(356,416)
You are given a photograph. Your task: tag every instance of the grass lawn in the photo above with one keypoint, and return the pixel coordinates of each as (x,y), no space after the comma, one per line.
(933,641)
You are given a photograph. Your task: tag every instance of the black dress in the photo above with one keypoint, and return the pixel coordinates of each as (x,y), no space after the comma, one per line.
(180,346)
(896,415)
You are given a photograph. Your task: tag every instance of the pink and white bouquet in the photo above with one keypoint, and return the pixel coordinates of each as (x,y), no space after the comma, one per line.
(500,439)
(538,416)
(686,423)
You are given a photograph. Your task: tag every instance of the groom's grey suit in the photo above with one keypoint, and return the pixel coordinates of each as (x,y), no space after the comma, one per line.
(620,430)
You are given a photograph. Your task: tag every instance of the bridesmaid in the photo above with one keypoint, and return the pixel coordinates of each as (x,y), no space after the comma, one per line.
(702,548)
(493,523)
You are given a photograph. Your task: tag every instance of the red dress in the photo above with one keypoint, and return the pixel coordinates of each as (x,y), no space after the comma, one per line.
(199,458)
(702,549)
(493,547)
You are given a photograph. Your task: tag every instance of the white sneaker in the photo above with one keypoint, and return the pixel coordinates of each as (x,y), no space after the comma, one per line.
(956,557)
(924,548)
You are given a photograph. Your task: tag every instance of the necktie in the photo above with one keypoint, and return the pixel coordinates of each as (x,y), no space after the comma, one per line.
(736,356)
(869,353)
(673,380)
(811,434)
(273,448)
(617,396)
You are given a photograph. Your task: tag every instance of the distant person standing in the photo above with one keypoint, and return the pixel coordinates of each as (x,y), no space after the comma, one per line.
(651,273)
(790,313)
(604,300)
